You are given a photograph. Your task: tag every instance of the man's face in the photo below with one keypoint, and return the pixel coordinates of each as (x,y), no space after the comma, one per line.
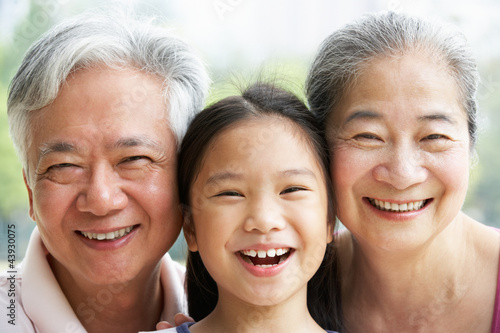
(102,182)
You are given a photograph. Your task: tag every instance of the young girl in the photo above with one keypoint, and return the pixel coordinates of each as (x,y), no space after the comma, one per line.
(258,215)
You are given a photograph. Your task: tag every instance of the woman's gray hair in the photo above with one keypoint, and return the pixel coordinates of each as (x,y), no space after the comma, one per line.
(116,40)
(344,54)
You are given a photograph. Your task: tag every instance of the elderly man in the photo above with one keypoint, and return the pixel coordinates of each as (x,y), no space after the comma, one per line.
(96,112)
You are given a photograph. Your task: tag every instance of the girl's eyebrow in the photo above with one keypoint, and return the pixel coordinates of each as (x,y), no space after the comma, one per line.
(227,175)
(223,175)
(297,172)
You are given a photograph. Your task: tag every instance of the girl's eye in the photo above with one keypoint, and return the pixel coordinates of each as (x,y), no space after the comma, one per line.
(292,189)
(228,194)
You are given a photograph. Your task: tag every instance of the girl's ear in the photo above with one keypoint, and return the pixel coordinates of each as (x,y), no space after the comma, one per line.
(330,229)
(188,229)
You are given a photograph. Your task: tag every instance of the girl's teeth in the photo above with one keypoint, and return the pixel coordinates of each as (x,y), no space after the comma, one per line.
(394,207)
(263,254)
(107,236)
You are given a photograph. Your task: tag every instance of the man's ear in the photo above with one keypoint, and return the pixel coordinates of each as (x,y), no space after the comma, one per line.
(30,195)
(189,231)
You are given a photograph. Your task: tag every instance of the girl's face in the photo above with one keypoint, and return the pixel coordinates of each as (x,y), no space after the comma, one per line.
(400,153)
(259,206)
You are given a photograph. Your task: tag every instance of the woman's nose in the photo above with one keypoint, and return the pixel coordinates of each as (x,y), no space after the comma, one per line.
(402,167)
(103,193)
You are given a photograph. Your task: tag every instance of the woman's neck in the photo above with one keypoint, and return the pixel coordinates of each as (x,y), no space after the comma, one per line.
(408,286)
(233,315)
(128,306)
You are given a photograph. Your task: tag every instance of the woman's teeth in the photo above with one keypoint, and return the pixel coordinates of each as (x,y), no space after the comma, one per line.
(269,258)
(394,207)
(109,235)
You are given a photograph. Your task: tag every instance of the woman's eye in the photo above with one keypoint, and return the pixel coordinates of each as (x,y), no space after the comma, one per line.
(366,136)
(293,189)
(435,137)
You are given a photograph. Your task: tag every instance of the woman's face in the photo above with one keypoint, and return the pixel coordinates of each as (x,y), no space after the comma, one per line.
(400,161)
(259,206)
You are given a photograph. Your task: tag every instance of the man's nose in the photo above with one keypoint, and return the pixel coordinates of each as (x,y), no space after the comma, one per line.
(103,193)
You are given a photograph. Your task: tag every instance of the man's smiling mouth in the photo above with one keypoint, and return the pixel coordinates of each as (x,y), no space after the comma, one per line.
(114,235)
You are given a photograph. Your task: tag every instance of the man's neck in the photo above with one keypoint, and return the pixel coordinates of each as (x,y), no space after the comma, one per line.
(130,306)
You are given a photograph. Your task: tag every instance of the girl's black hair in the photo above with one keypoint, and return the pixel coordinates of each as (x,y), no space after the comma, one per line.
(260,99)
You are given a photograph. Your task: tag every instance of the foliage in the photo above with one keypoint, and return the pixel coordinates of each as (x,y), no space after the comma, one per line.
(12,192)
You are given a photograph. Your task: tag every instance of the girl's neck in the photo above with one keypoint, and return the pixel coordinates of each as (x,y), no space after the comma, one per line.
(129,306)
(231,315)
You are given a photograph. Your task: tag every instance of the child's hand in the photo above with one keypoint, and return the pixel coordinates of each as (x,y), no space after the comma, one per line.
(179,319)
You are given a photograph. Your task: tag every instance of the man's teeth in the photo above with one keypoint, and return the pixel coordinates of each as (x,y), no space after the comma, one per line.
(109,235)
(394,207)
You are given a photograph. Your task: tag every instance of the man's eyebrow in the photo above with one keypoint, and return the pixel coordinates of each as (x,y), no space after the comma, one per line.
(137,141)
(55,147)
(66,147)
(362,114)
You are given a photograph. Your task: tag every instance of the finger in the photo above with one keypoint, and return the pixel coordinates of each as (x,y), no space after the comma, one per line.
(163,325)
(181,318)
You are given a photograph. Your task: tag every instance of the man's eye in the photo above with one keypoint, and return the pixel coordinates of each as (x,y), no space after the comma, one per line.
(134,158)
(61,165)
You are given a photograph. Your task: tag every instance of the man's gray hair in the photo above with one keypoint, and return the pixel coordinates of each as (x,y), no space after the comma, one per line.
(115,40)
(344,54)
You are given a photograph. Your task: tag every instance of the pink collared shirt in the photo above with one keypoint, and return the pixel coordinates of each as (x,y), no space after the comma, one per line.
(41,306)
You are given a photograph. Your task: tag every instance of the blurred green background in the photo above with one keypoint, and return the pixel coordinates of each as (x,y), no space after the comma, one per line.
(239,40)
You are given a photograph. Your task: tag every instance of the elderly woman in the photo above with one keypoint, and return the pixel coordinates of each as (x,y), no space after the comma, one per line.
(397,98)
(97,110)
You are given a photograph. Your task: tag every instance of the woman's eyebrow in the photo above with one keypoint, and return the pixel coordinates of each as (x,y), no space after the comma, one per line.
(362,114)
(437,116)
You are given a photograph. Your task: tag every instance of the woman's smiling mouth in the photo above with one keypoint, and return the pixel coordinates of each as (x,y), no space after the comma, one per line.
(395,207)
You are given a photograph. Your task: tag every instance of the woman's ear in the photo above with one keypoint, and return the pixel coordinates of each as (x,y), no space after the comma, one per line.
(189,231)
